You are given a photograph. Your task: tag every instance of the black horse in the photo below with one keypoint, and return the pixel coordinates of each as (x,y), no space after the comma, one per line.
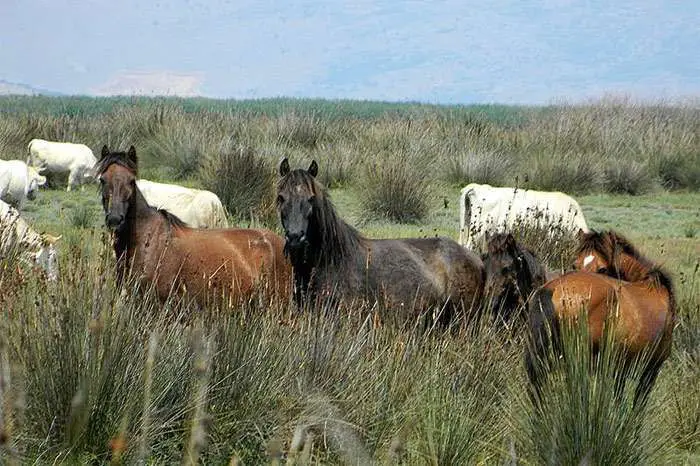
(513,272)
(330,257)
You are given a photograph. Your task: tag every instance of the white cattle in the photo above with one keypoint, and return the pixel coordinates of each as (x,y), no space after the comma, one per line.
(61,157)
(487,209)
(196,207)
(18,182)
(17,237)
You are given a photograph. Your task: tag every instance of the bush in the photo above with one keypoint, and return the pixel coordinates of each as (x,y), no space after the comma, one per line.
(395,189)
(582,420)
(294,130)
(627,177)
(570,173)
(679,171)
(244,182)
(484,167)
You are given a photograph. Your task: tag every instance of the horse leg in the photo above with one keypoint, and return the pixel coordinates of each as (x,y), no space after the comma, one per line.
(646,382)
(543,341)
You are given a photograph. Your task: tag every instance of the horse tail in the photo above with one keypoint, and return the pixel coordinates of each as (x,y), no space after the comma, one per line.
(543,339)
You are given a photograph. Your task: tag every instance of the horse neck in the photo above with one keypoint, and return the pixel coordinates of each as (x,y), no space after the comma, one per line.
(632,269)
(140,217)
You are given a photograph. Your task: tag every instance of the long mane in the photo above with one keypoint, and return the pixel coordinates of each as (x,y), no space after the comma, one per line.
(337,238)
(610,243)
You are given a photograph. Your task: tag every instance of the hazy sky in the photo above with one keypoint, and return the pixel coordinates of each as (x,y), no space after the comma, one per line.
(507,51)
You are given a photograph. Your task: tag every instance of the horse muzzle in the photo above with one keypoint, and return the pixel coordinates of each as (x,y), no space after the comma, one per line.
(295,241)
(114,222)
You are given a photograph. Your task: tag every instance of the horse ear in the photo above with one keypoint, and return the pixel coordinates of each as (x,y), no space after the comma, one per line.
(105,151)
(284,167)
(313,169)
(132,155)
(580,234)
(510,241)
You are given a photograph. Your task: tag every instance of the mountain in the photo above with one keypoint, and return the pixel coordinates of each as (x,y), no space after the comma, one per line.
(8,88)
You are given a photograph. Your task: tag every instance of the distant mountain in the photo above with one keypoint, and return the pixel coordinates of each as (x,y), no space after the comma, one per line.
(8,88)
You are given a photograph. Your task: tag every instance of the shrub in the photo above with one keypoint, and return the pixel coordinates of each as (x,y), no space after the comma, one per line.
(295,130)
(244,182)
(484,167)
(570,173)
(582,420)
(627,177)
(395,189)
(679,171)
(337,166)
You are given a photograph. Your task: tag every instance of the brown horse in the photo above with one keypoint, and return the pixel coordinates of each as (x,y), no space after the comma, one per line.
(164,252)
(513,272)
(611,254)
(641,305)
(330,257)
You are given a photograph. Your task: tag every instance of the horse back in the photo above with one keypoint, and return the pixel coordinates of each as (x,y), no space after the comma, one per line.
(438,267)
(640,313)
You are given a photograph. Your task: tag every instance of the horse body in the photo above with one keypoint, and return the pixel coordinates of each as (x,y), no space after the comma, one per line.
(163,251)
(330,257)
(641,309)
(618,285)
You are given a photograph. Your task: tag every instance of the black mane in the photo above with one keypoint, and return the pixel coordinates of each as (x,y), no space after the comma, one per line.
(337,238)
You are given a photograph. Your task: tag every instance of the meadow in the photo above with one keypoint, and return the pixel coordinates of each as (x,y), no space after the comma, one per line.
(91,375)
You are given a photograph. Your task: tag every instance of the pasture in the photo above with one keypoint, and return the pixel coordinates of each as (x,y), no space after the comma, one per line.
(92,376)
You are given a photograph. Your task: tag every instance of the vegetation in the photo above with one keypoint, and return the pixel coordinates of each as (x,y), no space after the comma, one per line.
(91,374)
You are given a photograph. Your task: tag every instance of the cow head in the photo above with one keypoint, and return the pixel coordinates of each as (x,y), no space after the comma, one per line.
(34,180)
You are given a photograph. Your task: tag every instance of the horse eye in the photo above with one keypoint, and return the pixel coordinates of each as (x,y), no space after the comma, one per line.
(312,199)
(280,199)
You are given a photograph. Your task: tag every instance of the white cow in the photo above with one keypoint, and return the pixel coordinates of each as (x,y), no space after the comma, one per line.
(61,157)
(18,182)
(487,209)
(196,207)
(17,237)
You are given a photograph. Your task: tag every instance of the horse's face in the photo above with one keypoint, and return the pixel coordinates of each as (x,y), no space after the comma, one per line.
(591,261)
(501,272)
(296,200)
(118,187)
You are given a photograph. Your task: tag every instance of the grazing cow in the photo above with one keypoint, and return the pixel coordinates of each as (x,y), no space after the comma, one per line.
(484,208)
(18,182)
(196,207)
(33,248)
(61,157)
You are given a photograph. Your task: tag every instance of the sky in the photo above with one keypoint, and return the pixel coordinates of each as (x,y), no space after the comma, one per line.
(447,52)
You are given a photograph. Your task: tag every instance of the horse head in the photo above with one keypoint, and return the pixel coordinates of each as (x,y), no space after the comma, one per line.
(117,173)
(296,201)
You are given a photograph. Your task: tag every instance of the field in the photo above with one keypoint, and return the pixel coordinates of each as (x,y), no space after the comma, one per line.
(92,375)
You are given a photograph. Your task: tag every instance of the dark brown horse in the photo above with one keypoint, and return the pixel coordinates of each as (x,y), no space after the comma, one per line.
(513,272)
(159,248)
(331,257)
(640,305)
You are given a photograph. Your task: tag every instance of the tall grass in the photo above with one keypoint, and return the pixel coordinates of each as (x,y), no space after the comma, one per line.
(609,145)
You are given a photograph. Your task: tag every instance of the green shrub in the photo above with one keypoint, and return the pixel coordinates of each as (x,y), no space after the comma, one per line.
(570,173)
(244,181)
(484,167)
(627,177)
(396,189)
